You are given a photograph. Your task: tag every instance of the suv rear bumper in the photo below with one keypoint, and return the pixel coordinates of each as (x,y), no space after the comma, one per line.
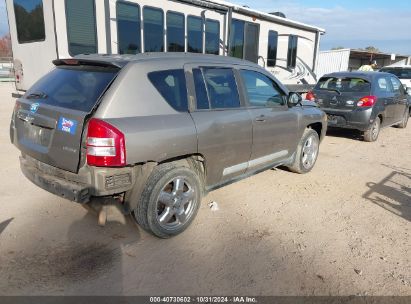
(89,182)
(355,119)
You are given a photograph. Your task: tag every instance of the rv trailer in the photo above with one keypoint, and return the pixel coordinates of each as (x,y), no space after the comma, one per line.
(45,30)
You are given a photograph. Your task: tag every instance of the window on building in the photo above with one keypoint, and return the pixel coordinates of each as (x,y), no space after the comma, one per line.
(292,51)
(153,29)
(128,28)
(237,38)
(81,26)
(221,88)
(261,90)
(212,37)
(29,20)
(175,32)
(251,42)
(194,34)
(171,84)
(272,48)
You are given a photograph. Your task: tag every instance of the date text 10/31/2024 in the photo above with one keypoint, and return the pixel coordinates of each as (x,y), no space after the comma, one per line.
(203,300)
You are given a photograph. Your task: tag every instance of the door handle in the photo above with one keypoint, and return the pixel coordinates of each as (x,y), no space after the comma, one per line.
(260,118)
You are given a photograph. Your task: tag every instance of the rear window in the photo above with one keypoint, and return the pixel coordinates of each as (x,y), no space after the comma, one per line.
(76,88)
(400,73)
(171,84)
(347,84)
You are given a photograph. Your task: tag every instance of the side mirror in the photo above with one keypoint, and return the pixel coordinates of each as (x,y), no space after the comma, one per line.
(294,99)
(408,90)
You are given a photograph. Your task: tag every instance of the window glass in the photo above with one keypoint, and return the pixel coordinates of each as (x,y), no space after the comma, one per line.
(81,26)
(221,88)
(261,90)
(272,48)
(128,28)
(153,30)
(29,20)
(201,92)
(175,32)
(396,84)
(292,51)
(348,84)
(194,34)
(212,37)
(251,43)
(383,85)
(76,88)
(237,38)
(172,86)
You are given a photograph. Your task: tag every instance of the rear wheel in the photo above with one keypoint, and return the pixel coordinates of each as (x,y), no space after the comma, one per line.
(169,201)
(307,152)
(404,121)
(372,134)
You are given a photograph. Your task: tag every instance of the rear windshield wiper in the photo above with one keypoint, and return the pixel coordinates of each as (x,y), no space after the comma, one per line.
(37,95)
(332,90)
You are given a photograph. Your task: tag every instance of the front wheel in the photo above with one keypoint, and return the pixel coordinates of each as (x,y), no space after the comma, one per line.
(307,152)
(372,134)
(170,200)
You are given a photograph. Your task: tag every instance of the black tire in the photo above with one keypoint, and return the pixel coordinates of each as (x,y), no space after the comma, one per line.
(372,133)
(300,164)
(152,212)
(404,121)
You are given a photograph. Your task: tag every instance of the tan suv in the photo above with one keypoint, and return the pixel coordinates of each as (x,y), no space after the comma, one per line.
(153,133)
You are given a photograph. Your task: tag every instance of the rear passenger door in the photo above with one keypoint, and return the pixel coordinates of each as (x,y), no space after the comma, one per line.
(383,90)
(400,99)
(274,124)
(223,125)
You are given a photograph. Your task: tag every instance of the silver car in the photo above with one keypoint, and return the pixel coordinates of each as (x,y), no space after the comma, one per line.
(154,133)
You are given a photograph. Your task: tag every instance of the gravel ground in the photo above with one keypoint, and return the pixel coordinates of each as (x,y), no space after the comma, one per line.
(343,229)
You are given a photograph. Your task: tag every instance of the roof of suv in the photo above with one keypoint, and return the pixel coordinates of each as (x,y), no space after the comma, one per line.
(122,60)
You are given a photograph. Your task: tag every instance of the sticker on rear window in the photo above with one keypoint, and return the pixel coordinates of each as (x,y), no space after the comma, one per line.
(67,125)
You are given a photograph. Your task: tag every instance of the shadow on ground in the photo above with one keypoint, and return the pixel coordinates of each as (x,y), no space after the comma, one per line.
(4,225)
(393,193)
(88,255)
(345,133)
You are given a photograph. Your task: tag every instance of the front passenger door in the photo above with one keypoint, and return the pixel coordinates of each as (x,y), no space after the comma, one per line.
(275,126)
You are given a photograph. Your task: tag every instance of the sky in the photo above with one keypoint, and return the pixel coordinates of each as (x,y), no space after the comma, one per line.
(385,24)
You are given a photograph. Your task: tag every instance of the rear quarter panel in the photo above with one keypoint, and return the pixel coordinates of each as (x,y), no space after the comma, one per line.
(310,115)
(153,130)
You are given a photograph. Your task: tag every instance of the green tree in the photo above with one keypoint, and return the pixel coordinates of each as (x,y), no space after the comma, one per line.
(372,49)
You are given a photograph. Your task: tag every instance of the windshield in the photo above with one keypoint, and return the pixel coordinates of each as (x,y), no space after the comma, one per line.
(76,88)
(402,73)
(347,84)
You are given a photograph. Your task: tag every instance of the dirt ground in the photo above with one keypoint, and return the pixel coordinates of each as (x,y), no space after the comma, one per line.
(343,229)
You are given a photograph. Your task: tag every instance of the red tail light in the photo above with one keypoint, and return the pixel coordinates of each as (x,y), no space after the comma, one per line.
(367,101)
(106,146)
(310,96)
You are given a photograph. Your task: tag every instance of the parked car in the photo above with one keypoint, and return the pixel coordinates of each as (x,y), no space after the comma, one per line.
(366,101)
(153,133)
(403,73)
